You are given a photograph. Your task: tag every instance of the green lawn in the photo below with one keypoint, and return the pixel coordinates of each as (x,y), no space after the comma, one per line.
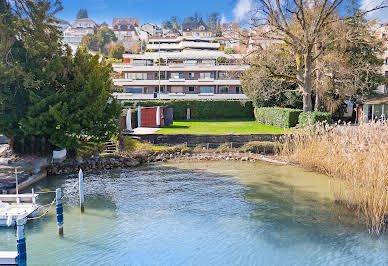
(219,127)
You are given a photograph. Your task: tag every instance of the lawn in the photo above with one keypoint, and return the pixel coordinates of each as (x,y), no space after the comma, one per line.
(219,127)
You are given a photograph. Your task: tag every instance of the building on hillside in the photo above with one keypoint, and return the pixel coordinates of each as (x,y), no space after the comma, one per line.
(196,29)
(188,74)
(382,33)
(152,29)
(373,108)
(231,34)
(73,35)
(126,29)
(179,44)
(173,33)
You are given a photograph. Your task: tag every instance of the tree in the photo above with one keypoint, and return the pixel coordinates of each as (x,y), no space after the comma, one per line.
(214,20)
(167,25)
(84,110)
(303,26)
(82,13)
(92,42)
(117,51)
(105,36)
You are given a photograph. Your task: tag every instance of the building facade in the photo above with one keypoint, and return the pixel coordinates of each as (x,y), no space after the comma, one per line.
(196,29)
(382,33)
(73,35)
(188,74)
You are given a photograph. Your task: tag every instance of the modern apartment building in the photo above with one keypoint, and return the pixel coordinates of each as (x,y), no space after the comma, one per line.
(179,44)
(187,74)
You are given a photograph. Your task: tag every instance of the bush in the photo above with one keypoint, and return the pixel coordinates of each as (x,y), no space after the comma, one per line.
(279,117)
(201,109)
(130,144)
(310,118)
(221,60)
(88,149)
(261,146)
(229,51)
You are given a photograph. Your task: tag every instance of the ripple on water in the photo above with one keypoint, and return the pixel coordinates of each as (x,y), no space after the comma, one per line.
(200,214)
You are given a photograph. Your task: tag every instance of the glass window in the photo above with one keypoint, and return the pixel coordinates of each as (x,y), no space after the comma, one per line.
(162,75)
(222,75)
(177,75)
(206,89)
(238,90)
(223,90)
(191,75)
(133,90)
(191,89)
(206,75)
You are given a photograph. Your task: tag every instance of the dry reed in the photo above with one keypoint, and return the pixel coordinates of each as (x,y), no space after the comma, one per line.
(357,155)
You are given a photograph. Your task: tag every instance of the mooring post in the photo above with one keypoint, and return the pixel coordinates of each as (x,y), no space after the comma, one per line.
(17,186)
(81,190)
(59,211)
(21,242)
(33,196)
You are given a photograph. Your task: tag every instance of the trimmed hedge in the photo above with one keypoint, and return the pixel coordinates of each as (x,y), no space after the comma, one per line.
(310,118)
(278,117)
(201,109)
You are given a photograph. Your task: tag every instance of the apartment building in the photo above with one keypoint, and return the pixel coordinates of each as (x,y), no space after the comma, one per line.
(187,74)
(179,44)
(382,33)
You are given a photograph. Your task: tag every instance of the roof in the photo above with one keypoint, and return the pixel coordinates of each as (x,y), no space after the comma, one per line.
(379,99)
(126,21)
(187,27)
(83,21)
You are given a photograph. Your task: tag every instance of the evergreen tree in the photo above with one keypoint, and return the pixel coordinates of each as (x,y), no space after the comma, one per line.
(82,13)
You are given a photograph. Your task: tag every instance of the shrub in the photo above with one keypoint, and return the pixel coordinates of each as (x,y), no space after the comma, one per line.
(229,51)
(261,146)
(221,60)
(130,144)
(201,109)
(225,147)
(310,118)
(88,149)
(279,117)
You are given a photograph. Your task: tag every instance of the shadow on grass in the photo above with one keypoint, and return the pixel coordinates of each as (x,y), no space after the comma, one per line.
(173,127)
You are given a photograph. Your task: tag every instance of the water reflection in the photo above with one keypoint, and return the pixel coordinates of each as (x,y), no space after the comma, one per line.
(199,214)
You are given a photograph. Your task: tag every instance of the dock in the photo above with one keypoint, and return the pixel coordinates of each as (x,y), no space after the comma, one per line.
(14,207)
(8,257)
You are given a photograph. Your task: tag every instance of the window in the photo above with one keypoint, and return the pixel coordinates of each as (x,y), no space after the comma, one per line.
(206,89)
(177,75)
(135,76)
(223,75)
(191,75)
(238,90)
(386,60)
(162,75)
(386,74)
(206,75)
(133,90)
(223,90)
(191,89)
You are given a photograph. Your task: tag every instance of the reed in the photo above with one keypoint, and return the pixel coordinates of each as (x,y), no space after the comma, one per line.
(357,156)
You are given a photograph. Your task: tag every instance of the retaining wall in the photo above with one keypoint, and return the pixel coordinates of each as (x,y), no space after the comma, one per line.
(165,139)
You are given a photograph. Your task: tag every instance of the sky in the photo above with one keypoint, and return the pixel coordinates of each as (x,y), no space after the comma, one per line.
(159,10)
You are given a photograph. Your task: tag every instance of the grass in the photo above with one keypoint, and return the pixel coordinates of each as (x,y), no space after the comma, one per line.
(219,127)
(357,157)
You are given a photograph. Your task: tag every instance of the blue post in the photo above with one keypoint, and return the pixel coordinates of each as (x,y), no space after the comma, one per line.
(139,116)
(21,243)
(59,211)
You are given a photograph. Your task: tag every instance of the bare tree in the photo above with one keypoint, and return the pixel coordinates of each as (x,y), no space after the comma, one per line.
(306,26)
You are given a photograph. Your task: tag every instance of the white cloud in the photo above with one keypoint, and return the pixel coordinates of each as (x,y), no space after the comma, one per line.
(242,8)
(381,14)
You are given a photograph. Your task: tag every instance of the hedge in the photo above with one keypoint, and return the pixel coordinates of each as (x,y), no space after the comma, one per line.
(201,109)
(278,117)
(310,118)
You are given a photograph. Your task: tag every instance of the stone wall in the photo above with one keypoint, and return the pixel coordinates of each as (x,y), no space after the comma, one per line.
(163,139)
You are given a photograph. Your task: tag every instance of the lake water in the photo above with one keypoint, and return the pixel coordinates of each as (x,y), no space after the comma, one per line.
(203,213)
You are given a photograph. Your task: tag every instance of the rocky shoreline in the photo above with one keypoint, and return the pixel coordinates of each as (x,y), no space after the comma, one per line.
(135,159)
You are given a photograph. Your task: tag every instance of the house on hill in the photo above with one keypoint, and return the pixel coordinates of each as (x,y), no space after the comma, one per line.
(196,29)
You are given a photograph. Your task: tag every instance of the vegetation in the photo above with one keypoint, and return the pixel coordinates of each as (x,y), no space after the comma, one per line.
(88,149)
(221,60)
(220,127)
(82,13)
(261,147)
(311,118)
(229,50)
(100,42)
(44,90)
(117,52)
(217,109)
(279,117)
(323,50)
(354,155)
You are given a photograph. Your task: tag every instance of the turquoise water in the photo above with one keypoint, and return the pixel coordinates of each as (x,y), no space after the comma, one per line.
(225,213)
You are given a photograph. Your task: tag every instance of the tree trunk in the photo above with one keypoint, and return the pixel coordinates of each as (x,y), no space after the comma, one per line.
(317,101)
(307,104)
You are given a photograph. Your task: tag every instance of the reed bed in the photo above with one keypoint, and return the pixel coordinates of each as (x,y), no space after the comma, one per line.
(357,156)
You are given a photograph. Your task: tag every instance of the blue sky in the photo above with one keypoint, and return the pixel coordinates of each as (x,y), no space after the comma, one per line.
(147,10)
(159,10)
